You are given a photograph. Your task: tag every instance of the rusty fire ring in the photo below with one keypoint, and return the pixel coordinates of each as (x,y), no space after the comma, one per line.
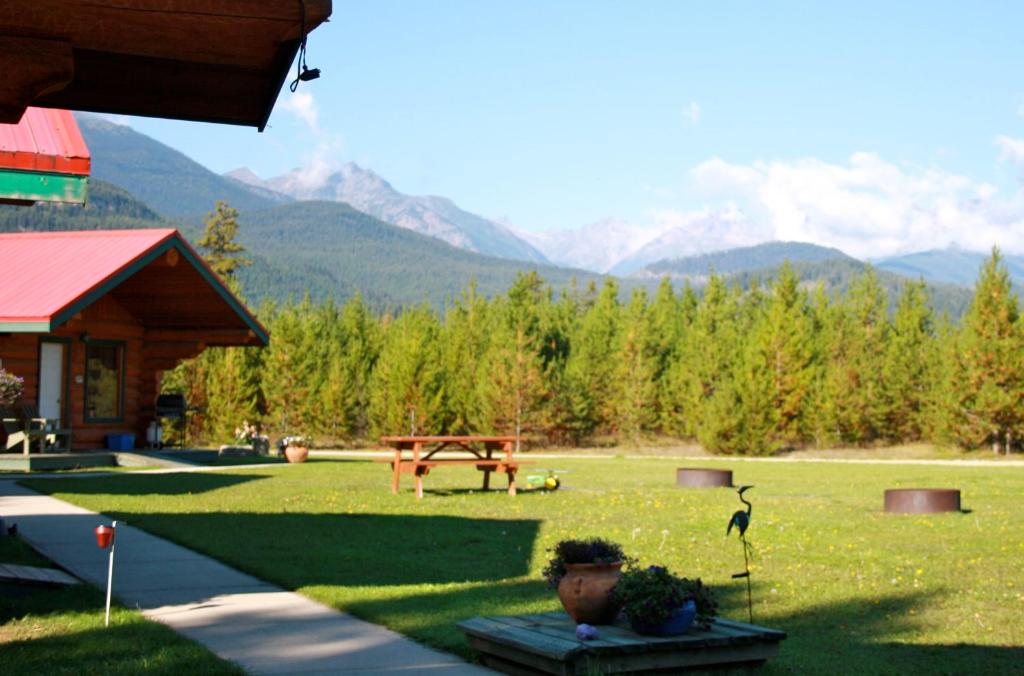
(922,500)
(696,477)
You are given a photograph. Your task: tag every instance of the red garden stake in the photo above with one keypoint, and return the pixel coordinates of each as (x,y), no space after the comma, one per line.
(105,538)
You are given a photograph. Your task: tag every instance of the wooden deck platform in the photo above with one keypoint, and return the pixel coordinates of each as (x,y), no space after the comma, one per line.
(52,462)
(546,643)
(35,462)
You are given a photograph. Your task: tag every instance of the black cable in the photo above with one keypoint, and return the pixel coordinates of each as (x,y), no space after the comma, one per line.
(302,73)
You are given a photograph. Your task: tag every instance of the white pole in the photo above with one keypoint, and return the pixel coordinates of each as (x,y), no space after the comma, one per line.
(110,571)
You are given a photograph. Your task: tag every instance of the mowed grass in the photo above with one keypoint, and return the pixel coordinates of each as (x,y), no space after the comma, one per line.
(857,590)
(59,630)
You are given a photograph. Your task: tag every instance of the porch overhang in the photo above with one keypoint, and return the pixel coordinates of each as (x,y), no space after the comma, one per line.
(202,60)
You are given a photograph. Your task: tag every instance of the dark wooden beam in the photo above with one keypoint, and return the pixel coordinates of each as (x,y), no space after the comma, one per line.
(204,60)
(105,82)
(30,68)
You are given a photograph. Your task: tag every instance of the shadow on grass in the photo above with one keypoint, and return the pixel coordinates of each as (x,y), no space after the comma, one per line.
(299,549)
(67,637)
(873,635)
(846,637)
(140,484)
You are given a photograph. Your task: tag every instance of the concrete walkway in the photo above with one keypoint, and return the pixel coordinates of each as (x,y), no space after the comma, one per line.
(263,628)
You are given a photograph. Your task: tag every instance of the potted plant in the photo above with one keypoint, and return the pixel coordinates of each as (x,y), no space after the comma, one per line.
(585,572)
(294,447)
(11,387)
(658,603)
(249,435)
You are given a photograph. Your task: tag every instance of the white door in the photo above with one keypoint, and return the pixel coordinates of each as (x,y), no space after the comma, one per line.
(51,380)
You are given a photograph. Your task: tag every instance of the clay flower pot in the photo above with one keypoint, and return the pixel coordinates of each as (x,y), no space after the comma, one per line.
(296,453)
(585,592)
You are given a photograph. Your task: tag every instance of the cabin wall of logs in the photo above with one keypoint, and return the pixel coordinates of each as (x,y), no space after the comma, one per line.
(146,354)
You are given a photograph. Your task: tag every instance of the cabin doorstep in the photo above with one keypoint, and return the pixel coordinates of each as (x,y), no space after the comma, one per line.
(92,319)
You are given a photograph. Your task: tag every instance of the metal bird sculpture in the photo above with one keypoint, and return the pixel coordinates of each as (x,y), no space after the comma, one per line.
(741,520)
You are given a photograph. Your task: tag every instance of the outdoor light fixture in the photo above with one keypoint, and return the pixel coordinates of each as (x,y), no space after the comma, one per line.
(85,337)
(308,74)
(105,539)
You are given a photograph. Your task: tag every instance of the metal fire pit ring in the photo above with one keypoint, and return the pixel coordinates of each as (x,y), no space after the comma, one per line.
(922,500)
(698,477)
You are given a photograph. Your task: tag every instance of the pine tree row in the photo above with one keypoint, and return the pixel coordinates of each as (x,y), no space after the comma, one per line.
(741,371)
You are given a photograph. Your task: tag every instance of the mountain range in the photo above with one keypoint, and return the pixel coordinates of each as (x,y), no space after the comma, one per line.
(140,182)
(952,266)
(429,215)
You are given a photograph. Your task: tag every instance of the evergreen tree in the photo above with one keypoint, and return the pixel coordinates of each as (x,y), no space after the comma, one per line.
(464,342)
(288,375)
(774,372)
(406,387)
(910,366)
(590,370)
(854,403)
(234,390)
(513,386)
(352,366)
(218,244)
(703,368)
(634,377)
(991,388)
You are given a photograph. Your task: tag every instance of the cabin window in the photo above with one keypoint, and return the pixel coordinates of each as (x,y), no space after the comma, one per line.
(104,381)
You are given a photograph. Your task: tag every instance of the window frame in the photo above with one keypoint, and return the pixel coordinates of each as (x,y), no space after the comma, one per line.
(122,367)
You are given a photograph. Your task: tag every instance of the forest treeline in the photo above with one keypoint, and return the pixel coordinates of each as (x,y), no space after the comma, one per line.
(746,371)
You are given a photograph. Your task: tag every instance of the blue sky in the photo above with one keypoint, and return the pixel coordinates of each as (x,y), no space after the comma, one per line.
(809,117)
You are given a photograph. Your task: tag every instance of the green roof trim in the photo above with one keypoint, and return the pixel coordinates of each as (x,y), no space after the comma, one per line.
(35,186)
(24,327)
(173,241)
(221,289)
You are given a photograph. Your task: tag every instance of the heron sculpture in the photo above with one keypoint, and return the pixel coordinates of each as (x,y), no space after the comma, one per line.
(741,520)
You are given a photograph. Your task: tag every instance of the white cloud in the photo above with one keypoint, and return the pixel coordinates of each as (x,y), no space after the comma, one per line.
(302,105)
(1010,149)
(324,155)
(691,112)
(868,207)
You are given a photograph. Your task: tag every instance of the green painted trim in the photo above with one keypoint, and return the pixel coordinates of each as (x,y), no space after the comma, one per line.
(176,242)
(37,186)
(24,327)
(123,368)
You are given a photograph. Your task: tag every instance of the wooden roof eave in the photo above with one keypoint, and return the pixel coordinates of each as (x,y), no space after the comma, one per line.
(259,334)
(206,60)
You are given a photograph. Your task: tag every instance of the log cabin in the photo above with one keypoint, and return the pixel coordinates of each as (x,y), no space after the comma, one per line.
(92,319)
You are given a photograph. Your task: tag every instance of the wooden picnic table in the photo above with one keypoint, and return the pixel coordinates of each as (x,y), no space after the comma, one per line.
(546,643)
(417,455)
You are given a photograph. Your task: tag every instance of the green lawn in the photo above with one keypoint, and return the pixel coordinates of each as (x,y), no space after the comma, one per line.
(853,586)
(59,630)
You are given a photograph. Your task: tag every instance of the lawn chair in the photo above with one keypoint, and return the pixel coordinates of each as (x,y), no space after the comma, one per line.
(21,432)
(55,433)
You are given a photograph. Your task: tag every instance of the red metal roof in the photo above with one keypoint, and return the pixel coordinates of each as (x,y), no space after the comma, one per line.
(46,272)
(46,278)
(44,140)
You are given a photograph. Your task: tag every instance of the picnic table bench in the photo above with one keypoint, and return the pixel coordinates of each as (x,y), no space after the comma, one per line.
(417,455)
(546,643)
